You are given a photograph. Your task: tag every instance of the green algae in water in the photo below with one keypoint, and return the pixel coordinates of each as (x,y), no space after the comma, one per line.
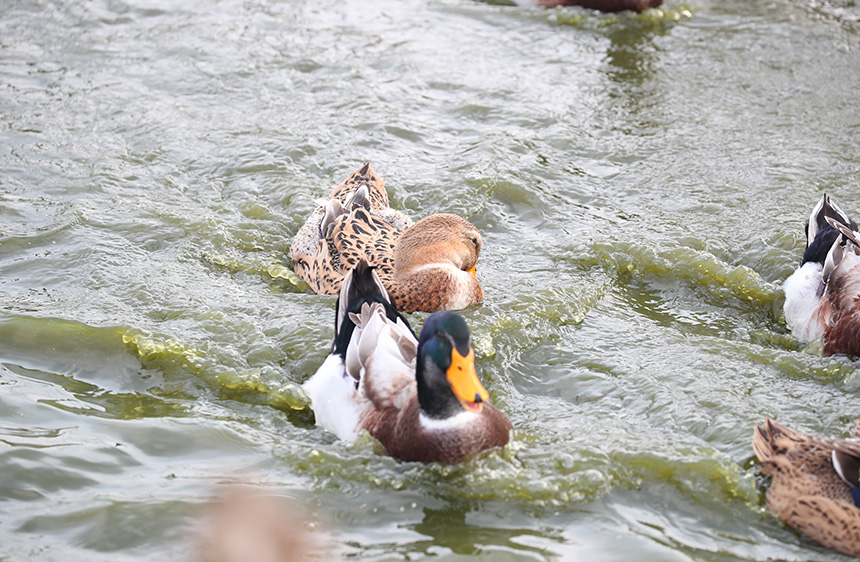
(167,353)
(699,267)
(651,18)
(28,336)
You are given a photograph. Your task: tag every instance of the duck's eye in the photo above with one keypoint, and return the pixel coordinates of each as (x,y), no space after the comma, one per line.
(474,240)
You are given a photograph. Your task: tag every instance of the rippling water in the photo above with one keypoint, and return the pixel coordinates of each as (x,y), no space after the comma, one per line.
(641,183)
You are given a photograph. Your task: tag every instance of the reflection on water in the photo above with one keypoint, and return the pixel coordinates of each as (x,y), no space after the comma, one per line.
(450,528)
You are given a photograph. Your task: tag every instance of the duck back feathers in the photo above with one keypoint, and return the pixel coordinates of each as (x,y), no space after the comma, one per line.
(354,223)
(806,491)
(842,333)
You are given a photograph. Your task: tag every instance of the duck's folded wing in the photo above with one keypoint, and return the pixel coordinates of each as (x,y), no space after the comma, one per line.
(843,293)
(385,354)
(831,523)
(360,235)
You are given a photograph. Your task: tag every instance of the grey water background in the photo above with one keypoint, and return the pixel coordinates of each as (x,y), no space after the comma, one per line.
(641,183)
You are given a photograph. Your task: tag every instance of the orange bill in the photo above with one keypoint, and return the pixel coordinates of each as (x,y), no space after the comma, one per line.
(473,271)
(464,380)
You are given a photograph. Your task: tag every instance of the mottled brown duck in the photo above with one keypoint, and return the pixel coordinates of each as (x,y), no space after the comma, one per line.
(426,266)
(421,398)
(813,483)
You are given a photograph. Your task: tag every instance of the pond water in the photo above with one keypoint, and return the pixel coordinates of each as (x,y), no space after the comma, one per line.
(641,183)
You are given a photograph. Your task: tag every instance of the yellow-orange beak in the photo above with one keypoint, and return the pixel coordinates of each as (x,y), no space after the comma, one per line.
(473,271)
(464,381)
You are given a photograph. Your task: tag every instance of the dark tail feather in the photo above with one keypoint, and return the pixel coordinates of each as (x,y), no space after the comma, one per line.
(823,230)
(832,210)
(825,209)
(360,285)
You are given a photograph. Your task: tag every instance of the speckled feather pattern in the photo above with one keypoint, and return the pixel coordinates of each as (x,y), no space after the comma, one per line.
(319,261)
(431,275)
(806,492)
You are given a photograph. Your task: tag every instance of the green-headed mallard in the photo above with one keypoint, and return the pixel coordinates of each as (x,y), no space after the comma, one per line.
(421,398)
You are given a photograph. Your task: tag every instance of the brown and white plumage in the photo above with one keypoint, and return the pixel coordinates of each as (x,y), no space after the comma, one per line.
(426,266)
(806,491)
(822,297)
(420,398)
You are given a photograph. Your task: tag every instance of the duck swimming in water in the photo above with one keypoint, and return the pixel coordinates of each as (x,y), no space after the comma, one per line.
(813,483)
(822,297)
(421,398)
(426,266)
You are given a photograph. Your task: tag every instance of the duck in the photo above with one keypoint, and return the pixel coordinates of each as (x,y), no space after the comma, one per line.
(425,266)
(822,297)
(600,5)
(419,397)
(814,483)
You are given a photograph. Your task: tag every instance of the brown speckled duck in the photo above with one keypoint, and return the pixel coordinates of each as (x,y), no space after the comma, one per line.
(421,398)
(426,266)
(813,483)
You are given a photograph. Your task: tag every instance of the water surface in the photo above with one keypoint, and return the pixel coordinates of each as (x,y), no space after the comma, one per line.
(641,183)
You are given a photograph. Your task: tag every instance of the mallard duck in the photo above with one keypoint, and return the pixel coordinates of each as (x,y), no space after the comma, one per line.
(822,297)
(813,483)
(426,266)
(602,5)
(421,398)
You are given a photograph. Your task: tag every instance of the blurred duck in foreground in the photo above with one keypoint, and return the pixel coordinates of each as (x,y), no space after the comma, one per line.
(602,5)
(244,525)
(822,298)
(426,266)
(420,398)
(813,483)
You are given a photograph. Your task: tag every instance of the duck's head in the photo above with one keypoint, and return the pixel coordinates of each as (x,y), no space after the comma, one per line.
(445,373)
(442,238)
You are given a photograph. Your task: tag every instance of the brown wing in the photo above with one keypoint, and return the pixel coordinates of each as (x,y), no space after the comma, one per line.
(842,335)
(833,524)
(360,235)
(321,271)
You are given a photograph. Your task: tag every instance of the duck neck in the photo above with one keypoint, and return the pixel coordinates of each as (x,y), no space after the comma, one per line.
(435,398)
(433,287)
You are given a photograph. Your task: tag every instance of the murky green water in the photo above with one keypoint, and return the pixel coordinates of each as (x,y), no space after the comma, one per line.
(641,184)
